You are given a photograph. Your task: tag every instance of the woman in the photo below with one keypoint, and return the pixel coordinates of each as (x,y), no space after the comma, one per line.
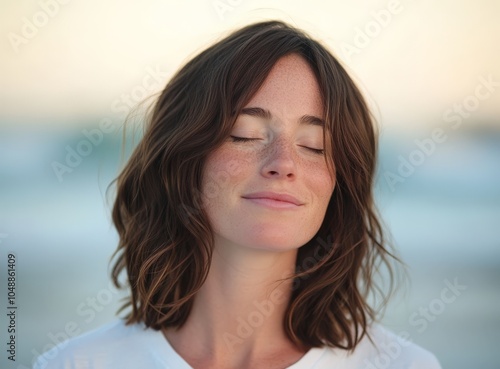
(246,220)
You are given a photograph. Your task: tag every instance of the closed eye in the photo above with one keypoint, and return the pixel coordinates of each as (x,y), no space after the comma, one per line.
(243,139)
(316,151)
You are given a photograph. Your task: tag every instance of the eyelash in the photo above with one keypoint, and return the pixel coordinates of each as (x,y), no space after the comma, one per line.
(316,151)
(245,139)
(242,139)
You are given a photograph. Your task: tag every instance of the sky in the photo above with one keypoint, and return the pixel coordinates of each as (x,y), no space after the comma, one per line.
(65,62)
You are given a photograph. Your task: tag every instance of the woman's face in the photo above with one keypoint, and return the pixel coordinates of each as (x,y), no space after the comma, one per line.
(241,178)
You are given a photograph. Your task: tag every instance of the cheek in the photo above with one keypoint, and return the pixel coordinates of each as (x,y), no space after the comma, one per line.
(321,183)
(223,171)
(323,192)
(329,186)
(323,199)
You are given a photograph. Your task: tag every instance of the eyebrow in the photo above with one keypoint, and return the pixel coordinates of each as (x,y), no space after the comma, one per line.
(266,114)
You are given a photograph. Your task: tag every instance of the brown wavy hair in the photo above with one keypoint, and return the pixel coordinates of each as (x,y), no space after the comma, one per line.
(166,239)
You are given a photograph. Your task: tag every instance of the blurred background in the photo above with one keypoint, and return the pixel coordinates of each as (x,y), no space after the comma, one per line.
(71,71)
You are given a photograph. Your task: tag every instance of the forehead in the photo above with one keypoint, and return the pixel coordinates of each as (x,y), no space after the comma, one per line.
(291,85)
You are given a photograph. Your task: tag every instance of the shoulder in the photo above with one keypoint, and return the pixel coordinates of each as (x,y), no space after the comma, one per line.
(106,346)
(388,351)
(387,347)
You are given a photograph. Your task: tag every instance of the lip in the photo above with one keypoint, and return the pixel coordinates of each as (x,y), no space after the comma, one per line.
(274,199)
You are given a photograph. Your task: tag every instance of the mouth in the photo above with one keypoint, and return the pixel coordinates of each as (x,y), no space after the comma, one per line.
(274,200)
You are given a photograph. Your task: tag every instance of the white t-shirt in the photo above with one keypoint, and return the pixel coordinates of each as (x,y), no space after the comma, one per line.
(121,346)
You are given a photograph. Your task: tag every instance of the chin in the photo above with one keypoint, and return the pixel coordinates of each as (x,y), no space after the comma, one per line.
(274,243)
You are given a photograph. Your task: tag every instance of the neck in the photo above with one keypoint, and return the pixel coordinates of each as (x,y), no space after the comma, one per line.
(240,308)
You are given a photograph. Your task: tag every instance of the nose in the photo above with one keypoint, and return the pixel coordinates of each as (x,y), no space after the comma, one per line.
(279,160)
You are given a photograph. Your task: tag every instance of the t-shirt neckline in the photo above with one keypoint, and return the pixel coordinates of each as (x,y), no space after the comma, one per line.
(305,362)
